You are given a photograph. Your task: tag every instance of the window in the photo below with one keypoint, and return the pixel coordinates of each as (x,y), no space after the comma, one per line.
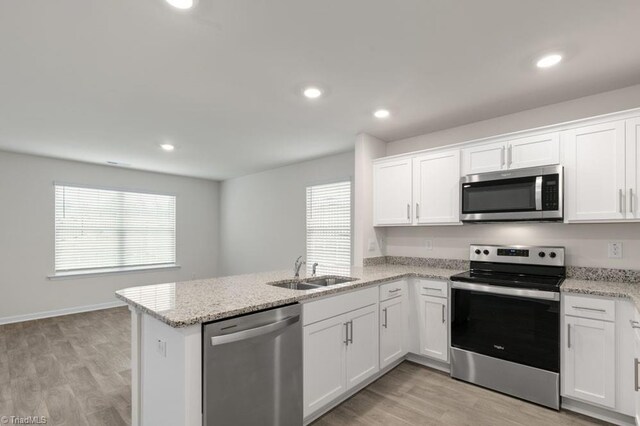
(99,230)
(329,228)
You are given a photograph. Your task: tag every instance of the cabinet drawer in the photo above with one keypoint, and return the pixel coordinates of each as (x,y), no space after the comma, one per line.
(393,289)
(590,307)
(337,305)
(432,288)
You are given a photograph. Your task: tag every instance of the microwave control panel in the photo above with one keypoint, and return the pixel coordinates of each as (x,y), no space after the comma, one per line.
(550,192)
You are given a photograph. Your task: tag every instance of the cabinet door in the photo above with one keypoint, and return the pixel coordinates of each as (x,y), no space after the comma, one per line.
(324,362)
(434,334)
(436,188)
(633,167)
(589,360)
(636,368)
(362,350)
(484,158)
(532,151)
(594,159)
(393,329)
(392,192)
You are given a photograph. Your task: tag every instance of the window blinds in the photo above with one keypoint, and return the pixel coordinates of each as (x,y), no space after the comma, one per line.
(97,229)
(329,228)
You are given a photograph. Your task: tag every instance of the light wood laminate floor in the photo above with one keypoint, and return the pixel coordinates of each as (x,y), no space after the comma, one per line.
(75,370)
(412,394)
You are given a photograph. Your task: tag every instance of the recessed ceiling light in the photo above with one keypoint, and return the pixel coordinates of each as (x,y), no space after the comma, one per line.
(312,92)
(549,60)
(167,147)
(182,4)
(381,113)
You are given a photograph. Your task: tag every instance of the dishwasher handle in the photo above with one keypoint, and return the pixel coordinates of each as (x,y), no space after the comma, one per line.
(254,332)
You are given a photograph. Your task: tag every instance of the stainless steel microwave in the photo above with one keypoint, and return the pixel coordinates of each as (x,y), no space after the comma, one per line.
(532,194)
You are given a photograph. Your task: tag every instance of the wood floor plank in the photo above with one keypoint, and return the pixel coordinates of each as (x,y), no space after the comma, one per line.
(63,407)
(107,417)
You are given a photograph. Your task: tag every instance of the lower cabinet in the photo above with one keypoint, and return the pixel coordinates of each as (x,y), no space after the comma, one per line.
(339,353)
(636,365)
(433,323)
(589,370)
(393,330)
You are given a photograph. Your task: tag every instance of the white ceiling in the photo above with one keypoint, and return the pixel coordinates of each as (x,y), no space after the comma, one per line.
(108,80)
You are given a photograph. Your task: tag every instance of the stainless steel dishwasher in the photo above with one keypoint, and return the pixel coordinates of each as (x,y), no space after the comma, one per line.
(252,369)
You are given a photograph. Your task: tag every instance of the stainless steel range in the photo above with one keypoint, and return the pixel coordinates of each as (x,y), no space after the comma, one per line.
(505,321)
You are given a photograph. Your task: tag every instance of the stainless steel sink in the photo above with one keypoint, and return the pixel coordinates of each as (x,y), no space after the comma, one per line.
(328,281)
(312,283)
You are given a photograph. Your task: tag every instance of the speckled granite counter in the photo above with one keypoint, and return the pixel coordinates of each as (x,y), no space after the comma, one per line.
(603,288)
(192,302)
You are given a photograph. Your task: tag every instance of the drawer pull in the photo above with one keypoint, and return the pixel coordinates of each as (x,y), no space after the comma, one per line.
(395,290)
(582,308)
(634,324)
(432,288)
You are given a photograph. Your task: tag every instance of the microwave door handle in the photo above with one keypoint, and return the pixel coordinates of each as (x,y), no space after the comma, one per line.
(539,193)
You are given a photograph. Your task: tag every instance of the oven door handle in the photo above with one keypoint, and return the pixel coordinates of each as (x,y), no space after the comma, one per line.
(507,291)
(539,193)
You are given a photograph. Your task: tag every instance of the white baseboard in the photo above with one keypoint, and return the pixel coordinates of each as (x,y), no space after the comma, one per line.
(59,312)
(596,412)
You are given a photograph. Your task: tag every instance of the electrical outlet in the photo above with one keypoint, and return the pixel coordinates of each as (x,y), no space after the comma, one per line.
(428,244)
(372,245)
(162,348)
(615,250)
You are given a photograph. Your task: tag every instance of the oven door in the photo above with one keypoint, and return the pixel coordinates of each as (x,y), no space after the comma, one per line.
(521,326)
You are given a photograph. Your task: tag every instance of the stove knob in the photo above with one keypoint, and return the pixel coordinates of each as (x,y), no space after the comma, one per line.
(541,254)
(552,254)
(478,251)
(486,252)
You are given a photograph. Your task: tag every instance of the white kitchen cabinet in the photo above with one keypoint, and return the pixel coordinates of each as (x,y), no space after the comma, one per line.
(484,158)
(324,362)
(392,192)
(340,351)
(362,349)
(594,160)
(636,367)
(394,321)
(533,151)
(436,188)
(589,369)
(632,165)
(530,151)
(433,318)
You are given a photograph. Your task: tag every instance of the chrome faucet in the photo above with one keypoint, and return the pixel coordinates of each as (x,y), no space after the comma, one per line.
(297,266)
(313,270)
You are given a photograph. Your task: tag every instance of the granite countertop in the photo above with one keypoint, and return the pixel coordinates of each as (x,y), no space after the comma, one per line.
(603,288)
(187,303)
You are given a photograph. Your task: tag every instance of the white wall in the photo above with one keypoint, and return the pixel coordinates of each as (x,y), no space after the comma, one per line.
(27,233)
(586,243)
(262,217)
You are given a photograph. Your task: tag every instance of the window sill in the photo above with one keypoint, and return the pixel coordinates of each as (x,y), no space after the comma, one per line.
(110,271)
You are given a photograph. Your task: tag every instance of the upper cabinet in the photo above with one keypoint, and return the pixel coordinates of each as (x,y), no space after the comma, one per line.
(392,192)
(632,166)
(423,190)
(436,188)
(594,159)
(531,151)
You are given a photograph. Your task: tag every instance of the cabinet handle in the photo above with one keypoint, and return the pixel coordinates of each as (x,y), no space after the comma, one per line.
(443,316)
(630,200)
(351,332)
(417,211)
(395,290)
(635,364)
(384,311)
(408,211)
(502,157)
(620,200)
(569,336)
(346,333)
(634,324)
(432,288)
(509,156)
(582,308)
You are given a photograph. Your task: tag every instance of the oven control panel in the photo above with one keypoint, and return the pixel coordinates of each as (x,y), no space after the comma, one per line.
(532,255)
